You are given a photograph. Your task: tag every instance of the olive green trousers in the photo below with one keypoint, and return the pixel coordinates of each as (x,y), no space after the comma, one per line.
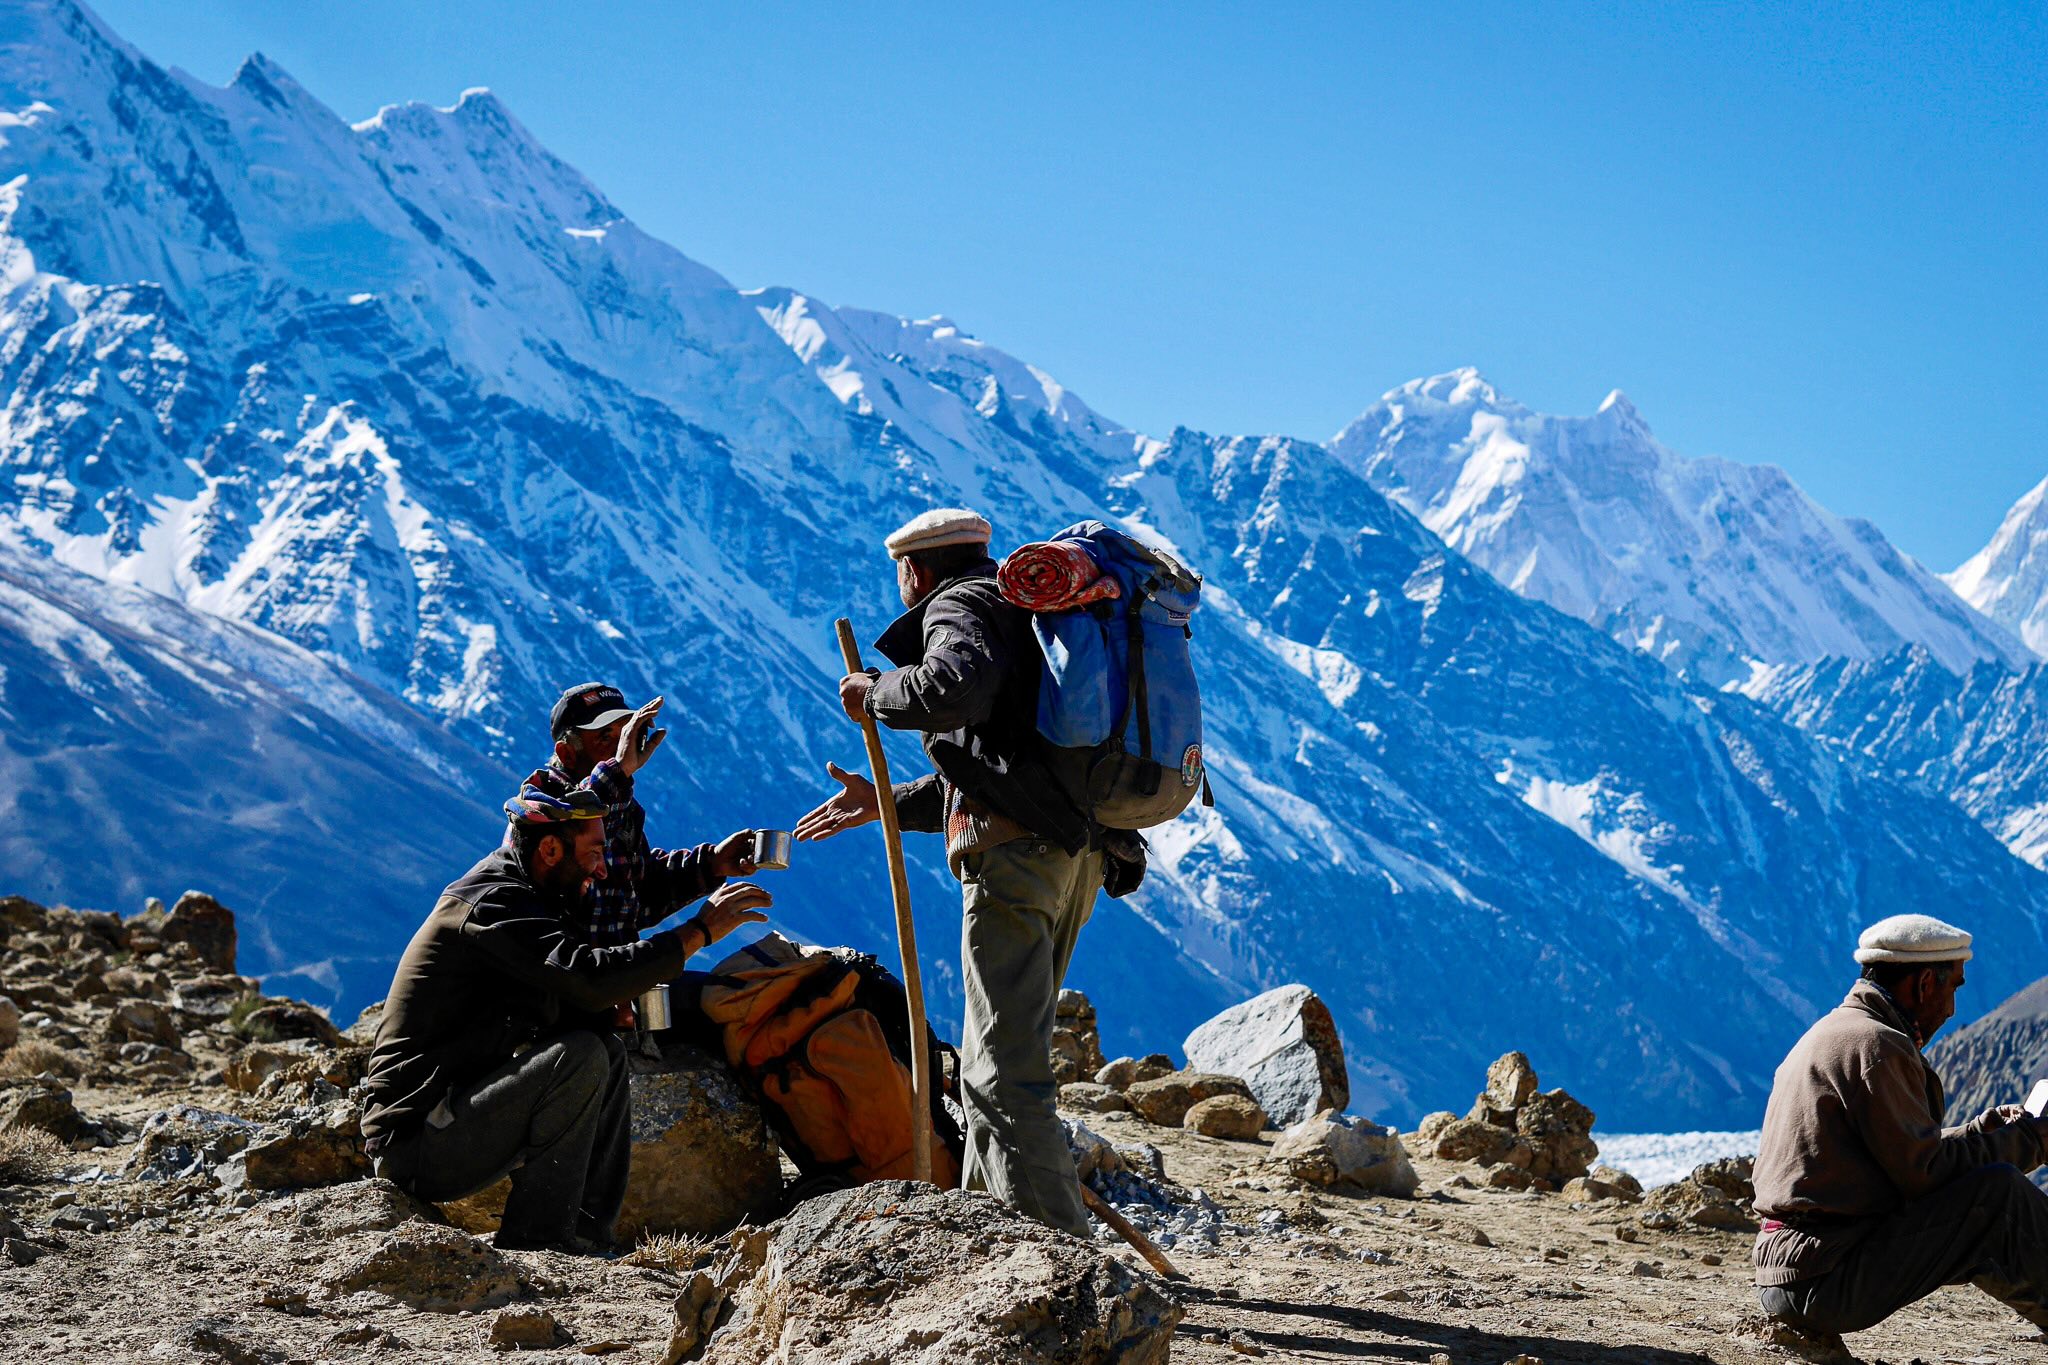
(1023,903)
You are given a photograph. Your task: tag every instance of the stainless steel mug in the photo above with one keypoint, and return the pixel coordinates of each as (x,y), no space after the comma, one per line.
(651,1010)
(771,849)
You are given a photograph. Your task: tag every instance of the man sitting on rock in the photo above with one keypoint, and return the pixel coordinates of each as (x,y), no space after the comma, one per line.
(495,1053)
(1869,1203)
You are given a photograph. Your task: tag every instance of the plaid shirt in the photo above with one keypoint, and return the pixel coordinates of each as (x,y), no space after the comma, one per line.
(643,885)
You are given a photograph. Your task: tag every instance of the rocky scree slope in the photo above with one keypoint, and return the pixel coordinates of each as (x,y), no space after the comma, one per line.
(156,1138)
(412,395)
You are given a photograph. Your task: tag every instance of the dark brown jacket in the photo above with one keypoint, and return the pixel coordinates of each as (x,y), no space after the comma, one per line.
(495,966)
(1853,1131)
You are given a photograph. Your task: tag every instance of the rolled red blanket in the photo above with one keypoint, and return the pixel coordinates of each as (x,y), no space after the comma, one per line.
(1054,575)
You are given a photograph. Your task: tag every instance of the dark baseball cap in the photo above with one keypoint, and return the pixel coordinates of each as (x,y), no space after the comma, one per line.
(587,706)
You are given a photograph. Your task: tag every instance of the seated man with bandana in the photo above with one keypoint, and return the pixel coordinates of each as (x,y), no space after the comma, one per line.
(496,1053)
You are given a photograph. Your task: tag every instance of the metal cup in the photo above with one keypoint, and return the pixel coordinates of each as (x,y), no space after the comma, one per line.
(771,849)
(652,1010)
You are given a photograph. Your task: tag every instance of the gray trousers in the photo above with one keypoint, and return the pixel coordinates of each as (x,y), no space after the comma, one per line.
(1023,903)
(555,1118)
(1988,1228)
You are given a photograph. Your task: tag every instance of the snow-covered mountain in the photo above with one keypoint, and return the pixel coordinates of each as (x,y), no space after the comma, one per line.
(411,395)
(2007,580)
(146,748)
(1713,567)
(1979,739)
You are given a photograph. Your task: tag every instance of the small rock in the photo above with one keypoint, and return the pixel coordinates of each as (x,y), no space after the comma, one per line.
(1088,1097)
(323,1147)
(1477,1237)
(1625,1233)
(186,1141)
(1586,1189)
(1475,1140)
(139,1021)
(10,1022)
(1506,1177)
(1645,1270)
(1730,1175)
(1557,1129)
(524,1329)
(20,1251)
(1235,1117)
(283,1020)
(1701,1206)
(46,1105)
(1620,1179)
(436,1269)
(206,926)
(1165,1100)
(1432,1126)
(1119,1074)
(1710,1258)
(1332,1150)
(1510,1082)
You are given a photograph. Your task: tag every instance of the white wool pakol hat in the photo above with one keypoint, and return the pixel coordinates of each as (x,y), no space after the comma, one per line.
(936,529)
(1912,938)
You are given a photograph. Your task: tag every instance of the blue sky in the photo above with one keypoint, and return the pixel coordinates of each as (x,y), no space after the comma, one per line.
(1805,235)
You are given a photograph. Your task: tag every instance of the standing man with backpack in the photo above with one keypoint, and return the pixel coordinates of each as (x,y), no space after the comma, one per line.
(1012,807)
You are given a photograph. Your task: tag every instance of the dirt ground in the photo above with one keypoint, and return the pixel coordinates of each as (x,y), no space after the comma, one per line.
(1475,1276)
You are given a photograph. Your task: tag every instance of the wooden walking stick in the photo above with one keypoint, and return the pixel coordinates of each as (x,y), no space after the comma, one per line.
(1121,1225)
(906,931)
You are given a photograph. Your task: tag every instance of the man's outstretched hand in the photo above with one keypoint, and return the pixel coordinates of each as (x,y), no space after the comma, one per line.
(727,908)
(733,856)
(855,803)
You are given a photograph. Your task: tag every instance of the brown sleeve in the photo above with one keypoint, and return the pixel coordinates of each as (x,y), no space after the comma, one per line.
(1896,1120)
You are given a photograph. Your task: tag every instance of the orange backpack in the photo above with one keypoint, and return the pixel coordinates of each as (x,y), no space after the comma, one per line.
(823,1037)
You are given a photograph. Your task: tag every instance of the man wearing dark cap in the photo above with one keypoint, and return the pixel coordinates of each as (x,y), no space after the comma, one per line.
(967,678)
(643,885)
(1870,1200)
(495,1054)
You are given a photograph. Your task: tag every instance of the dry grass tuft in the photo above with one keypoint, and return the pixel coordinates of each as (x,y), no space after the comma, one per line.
(34,1056)
(28,1155)
(668,1251)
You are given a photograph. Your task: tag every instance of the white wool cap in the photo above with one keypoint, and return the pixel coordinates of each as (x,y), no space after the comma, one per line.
(940,527)
(1912,938)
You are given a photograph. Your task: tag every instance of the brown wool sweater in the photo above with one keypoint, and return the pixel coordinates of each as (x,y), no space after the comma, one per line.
(1853,1131)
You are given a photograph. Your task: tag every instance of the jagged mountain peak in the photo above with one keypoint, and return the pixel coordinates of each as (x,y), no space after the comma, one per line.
(2007,580)
(1719,569)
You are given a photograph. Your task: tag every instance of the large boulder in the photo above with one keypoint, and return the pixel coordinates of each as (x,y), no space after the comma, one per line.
(1236,1117)
(703,1158)
(1284,1044)
(1329,1149)
(1166,1100)
(204,925)
(901,1272)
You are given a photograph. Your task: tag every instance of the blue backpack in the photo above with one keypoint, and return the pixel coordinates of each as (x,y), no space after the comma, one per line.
(1119,681)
